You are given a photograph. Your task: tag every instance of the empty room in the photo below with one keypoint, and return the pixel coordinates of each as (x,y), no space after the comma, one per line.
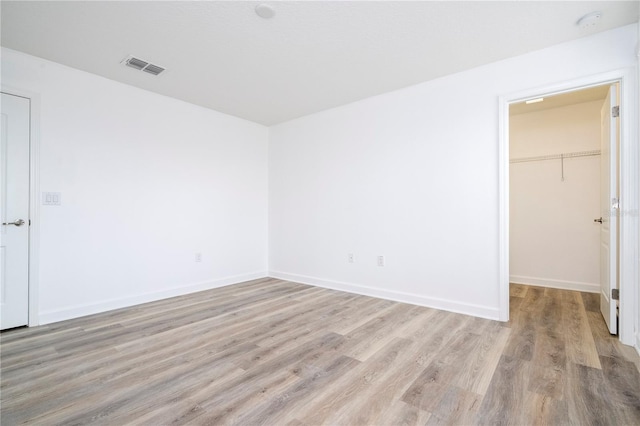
(320,212)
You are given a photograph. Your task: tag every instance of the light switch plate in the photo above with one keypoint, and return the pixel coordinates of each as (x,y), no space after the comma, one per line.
(51,198)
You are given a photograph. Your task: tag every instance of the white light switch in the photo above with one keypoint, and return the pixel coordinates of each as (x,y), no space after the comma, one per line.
(51,198)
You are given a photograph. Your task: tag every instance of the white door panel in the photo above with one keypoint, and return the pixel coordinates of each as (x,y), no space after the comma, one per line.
(14,188)
(609,224)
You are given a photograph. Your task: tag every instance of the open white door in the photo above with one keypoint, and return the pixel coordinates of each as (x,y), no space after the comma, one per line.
(609,209)
(14,212)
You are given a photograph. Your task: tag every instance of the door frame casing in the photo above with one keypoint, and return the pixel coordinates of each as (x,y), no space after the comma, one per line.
(34,199)
(629,189)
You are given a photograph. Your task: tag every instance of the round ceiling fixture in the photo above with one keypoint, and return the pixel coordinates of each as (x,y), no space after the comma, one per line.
(265,11)
(589,20)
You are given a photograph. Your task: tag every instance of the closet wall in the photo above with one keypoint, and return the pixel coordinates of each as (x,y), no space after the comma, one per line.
(554,240)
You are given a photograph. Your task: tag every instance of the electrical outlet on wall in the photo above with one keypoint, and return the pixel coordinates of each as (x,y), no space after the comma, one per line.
(351,258)
(198,257)
(380,260)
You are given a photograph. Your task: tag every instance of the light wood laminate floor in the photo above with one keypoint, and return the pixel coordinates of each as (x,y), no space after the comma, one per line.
(271,352)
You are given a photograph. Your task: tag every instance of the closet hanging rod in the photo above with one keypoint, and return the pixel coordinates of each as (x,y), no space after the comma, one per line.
(556,156)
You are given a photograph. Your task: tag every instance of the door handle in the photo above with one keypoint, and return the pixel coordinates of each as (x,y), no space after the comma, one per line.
(18,222)
(599,220)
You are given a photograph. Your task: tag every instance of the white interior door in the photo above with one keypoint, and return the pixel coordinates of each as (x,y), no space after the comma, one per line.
(609,209)
(14,234)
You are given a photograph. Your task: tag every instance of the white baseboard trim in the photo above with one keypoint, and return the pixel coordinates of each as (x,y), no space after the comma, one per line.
(638,342)
(414,299)
(109,305)
(560,284)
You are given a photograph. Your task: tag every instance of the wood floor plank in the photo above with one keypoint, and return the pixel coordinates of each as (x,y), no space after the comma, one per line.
(522,340)
(507,395)
(402,414)
(515,303)
(550,318)
(112,392)
(428,389)
(580,346)
(550,351)
(281,408)
(622,380)
(474,375)
(353,383)
(533,299)
(606,345)
(380,331)
(457,407)
(543,410)
(591,301)
(547,381)
(276,352)
(590,403)
(228,394)
(381,395)
(355,319)
(417,329)
(179,412)
(517,290)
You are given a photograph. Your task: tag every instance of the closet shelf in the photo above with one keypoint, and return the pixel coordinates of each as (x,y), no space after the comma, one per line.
(556,156)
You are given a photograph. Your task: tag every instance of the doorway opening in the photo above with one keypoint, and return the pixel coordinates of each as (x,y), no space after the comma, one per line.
(621,203)
(562,177)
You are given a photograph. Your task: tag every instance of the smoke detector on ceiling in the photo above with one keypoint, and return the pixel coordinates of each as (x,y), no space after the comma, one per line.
(589,20)
(265,11)
(141,65)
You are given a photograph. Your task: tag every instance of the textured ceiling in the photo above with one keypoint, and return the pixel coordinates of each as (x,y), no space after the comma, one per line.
(311,56)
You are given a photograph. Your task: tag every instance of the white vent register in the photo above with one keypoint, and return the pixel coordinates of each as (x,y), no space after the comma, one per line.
(140,65)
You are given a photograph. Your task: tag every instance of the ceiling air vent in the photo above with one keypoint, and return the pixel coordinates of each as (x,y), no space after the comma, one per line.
(141,65)
(153,69)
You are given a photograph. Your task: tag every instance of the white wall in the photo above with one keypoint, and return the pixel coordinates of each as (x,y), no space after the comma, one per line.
(146,181)
(554,241)
(412,175)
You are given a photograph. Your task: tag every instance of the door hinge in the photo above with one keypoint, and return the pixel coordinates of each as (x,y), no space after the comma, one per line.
(615,203)
(615,111)
(615,294)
